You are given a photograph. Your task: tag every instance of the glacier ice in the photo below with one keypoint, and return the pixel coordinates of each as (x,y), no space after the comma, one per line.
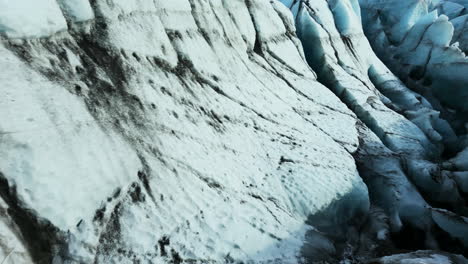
(231,130)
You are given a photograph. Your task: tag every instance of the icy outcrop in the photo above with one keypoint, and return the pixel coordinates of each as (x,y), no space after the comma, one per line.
(457,168)
(337,50)
(344,60)
(12,247)
(423,256)
(455,225)
(389,186)
(424,46)
(460,34)
(404,136)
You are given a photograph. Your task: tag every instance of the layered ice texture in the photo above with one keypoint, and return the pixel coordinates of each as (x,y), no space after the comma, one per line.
(226,130)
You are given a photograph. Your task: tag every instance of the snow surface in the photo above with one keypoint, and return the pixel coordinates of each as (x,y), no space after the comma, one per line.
(41,18)
(30,18)
(37,131)
(76,10)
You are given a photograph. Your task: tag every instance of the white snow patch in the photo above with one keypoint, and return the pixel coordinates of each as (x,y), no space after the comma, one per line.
(77,10)
(61,161)
(30,18)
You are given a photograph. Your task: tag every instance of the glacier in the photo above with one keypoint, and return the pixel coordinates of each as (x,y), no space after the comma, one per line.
(233,131)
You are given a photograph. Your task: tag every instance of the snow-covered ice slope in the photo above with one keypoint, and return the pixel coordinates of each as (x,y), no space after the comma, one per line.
(168,130)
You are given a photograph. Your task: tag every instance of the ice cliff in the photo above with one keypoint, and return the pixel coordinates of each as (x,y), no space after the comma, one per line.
(233,131)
